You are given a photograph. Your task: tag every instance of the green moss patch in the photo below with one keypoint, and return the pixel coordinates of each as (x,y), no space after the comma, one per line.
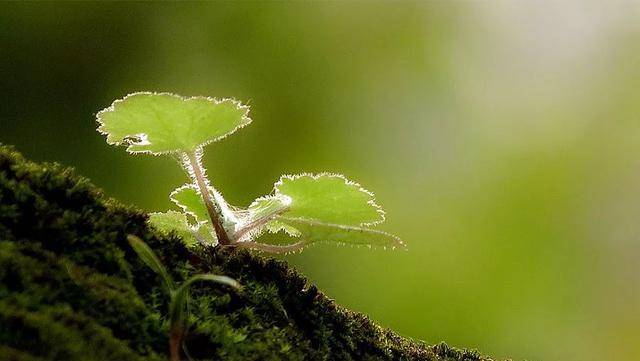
(71,288)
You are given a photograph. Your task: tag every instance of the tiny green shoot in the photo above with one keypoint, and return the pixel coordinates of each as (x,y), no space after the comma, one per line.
(179,294)
(306,208)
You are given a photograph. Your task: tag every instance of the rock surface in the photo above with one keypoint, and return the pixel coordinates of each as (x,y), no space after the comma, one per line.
(71,288)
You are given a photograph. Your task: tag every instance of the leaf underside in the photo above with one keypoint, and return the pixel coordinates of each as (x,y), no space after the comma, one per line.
(162,123)
(313,231)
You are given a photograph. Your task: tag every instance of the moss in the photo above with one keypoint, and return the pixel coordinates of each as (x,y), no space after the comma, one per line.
(72,289)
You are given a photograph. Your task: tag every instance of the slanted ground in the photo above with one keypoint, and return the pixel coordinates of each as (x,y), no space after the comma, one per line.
(71,288)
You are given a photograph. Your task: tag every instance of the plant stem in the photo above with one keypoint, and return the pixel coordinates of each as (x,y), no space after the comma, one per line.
(257,223)
(175,339)
(272,248)
(213,208)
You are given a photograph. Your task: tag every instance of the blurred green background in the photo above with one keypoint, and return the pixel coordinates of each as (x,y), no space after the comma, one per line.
(502,138)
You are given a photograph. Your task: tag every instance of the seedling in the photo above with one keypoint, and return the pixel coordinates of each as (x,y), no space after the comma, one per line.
(178,294)
(307,208)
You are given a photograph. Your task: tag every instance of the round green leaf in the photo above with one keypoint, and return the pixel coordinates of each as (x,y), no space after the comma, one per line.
(329,198)
(162,123)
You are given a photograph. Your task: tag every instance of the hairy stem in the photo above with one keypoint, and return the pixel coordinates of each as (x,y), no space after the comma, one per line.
(196,171)
(271,248)
(257,223)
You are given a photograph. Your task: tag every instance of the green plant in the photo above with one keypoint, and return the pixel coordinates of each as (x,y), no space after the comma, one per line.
(179,294)
(307,208)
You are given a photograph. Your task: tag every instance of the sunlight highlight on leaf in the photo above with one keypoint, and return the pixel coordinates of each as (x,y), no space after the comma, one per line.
(189,200)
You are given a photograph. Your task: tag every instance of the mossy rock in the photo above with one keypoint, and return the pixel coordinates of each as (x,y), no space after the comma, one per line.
(71,288)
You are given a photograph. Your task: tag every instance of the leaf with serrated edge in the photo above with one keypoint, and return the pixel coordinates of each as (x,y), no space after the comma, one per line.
(315,231)
(275,226)
(268,206)
(205,233)
(173,221)
(329,198)
(162,123)
(189,200)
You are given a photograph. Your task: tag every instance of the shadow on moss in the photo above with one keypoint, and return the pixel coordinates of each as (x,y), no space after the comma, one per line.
(71,288)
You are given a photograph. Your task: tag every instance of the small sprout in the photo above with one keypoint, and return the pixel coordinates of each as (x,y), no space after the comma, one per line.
(179,294)
(149,258)
(306,208)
